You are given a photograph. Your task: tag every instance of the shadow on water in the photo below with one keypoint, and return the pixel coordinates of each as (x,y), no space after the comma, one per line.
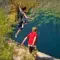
(48,34)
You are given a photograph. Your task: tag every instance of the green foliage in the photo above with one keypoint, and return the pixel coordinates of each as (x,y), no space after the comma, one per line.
(44,13)
(5,50)
(5,25)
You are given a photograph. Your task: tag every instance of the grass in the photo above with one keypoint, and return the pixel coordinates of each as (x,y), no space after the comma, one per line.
(5,50)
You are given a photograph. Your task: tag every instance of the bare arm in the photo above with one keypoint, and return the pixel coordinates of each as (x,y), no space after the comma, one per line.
(25,15)
(20,9)
(34,40)
(23,12)
(24,40)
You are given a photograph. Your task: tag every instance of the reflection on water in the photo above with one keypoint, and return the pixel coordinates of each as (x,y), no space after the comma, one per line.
(48,34)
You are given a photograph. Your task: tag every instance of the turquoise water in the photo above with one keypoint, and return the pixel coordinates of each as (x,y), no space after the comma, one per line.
(48,34)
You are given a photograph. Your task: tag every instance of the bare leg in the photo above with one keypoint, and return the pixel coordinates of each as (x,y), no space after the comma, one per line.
(17,33)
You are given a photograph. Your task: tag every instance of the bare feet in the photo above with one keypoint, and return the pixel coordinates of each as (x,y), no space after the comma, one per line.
(15,35)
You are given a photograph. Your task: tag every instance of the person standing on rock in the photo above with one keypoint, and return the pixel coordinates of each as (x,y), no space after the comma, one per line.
(32,37)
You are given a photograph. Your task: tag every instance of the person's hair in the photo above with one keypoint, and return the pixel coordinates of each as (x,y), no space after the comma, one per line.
(24,8)
(34,29)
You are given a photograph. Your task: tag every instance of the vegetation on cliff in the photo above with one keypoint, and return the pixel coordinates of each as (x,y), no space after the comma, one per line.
(5,28)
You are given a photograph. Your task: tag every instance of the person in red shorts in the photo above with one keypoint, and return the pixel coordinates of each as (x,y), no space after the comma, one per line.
(32,37)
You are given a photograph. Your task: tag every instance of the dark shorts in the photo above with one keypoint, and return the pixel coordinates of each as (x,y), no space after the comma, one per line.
(31,49)
(20,27)
(26,20)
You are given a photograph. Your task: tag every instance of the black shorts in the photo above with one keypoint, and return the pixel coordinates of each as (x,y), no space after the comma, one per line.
(31,49)
(20,27)
(26,20)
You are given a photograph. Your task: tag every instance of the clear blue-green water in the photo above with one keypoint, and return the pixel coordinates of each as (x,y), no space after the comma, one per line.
(48,34)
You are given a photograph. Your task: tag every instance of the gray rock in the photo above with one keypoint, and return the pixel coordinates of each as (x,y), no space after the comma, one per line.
(44,58)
